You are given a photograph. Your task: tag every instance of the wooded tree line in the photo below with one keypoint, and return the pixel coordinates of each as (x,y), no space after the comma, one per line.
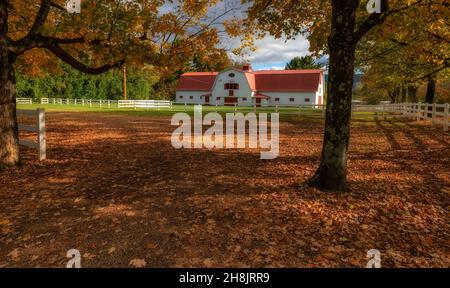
(73,84)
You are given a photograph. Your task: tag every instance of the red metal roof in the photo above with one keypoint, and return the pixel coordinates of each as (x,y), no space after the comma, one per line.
(288,80)
(197,81)
(265,81)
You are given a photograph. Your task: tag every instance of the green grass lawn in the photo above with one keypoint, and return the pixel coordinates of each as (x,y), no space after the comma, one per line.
(285,112)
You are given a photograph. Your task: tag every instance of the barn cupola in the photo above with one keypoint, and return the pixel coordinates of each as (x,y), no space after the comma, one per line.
(247,68)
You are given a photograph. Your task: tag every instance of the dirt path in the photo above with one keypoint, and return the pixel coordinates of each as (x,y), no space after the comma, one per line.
(115,189)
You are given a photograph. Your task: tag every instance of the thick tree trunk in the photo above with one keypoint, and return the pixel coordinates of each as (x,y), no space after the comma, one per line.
(9,136)
(332,172)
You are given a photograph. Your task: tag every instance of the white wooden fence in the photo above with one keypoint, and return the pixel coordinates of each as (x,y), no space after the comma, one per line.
(98,103)
(38,128)
(24,100)
(147,104)
(438,114)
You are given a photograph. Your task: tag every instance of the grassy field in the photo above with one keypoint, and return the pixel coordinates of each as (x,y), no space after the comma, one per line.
(285,112)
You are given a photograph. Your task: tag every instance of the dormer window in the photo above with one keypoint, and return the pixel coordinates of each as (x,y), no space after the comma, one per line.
(231,75)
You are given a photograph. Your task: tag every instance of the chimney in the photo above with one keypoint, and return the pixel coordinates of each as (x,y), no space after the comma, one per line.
(247,68)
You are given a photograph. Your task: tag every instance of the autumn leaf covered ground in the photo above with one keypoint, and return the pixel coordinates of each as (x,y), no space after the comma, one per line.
(115,189)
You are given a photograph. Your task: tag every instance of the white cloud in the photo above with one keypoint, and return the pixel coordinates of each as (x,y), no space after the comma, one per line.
(271,50)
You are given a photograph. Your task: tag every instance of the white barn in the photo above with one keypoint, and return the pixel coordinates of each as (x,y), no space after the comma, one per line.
(246,87)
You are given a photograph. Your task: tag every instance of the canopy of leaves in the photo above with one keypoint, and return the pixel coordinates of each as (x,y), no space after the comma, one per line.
(110,31)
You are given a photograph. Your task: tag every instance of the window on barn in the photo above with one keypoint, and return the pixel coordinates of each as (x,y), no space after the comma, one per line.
(218,98)
(291,99)
(307,100)
(277,99)
(231,93)
(191,97)
(244,99)
(231,86)
(181,96)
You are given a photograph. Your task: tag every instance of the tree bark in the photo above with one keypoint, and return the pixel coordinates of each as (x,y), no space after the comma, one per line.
(431,89)
(332,171)
(9,134)
(431,92)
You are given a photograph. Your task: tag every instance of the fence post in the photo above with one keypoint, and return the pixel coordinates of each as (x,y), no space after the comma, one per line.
(419,108)
(100,103)
(324,110)
(235,107)
(276,108)
(41,133)
(446,114)
(433,114)
(185,106)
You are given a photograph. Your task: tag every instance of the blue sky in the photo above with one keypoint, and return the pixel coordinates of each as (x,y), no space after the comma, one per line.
(274,53)
(271,53)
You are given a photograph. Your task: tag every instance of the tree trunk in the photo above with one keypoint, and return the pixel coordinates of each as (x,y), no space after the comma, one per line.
(412,94)
(9,135)
(431,92)
(332,171)
(431,89)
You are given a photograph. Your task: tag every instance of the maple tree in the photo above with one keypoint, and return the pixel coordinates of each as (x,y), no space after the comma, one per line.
(336,28)
(410,49)
(105,35)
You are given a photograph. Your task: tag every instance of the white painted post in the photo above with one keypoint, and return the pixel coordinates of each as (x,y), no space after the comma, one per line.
(101,103)
(276,108)
(109,104)
(384,112)
(41,134)
(446,114)
(235,107)
(433,114)
(254,107)
(185,106)
(418,111)
(425,115)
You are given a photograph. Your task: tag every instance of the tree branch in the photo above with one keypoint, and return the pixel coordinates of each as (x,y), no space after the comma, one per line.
(373,20)
(40,18)
(66,57)
(378,18)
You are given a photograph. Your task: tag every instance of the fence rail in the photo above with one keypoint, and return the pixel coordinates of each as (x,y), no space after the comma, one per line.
(39,128)
(437,113)
(24,100)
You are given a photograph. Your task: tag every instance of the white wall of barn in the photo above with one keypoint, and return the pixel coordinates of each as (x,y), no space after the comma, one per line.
(299,98)
(185,97)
